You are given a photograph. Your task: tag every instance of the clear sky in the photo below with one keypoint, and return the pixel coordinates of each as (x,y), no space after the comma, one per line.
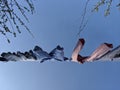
(57,22)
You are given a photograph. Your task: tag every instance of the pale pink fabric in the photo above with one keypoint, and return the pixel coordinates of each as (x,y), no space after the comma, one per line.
(101,50)
(77,49)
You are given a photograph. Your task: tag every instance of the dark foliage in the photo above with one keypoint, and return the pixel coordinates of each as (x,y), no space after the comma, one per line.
(108,4)
(10,13)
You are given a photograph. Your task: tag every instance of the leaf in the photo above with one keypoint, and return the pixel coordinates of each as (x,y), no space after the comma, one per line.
(14,34)
(107,13)
(8,40)
(118,5)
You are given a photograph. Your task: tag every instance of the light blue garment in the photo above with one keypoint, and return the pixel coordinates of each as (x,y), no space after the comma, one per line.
(58,53)
(41,54)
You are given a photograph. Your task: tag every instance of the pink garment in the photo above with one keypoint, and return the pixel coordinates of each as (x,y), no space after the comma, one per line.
(101,50)
(77,49)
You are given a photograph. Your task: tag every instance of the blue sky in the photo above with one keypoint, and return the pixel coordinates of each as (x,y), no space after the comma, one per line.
(57,22)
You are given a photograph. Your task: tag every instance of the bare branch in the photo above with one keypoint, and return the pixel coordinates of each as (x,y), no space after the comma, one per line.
(83,23)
